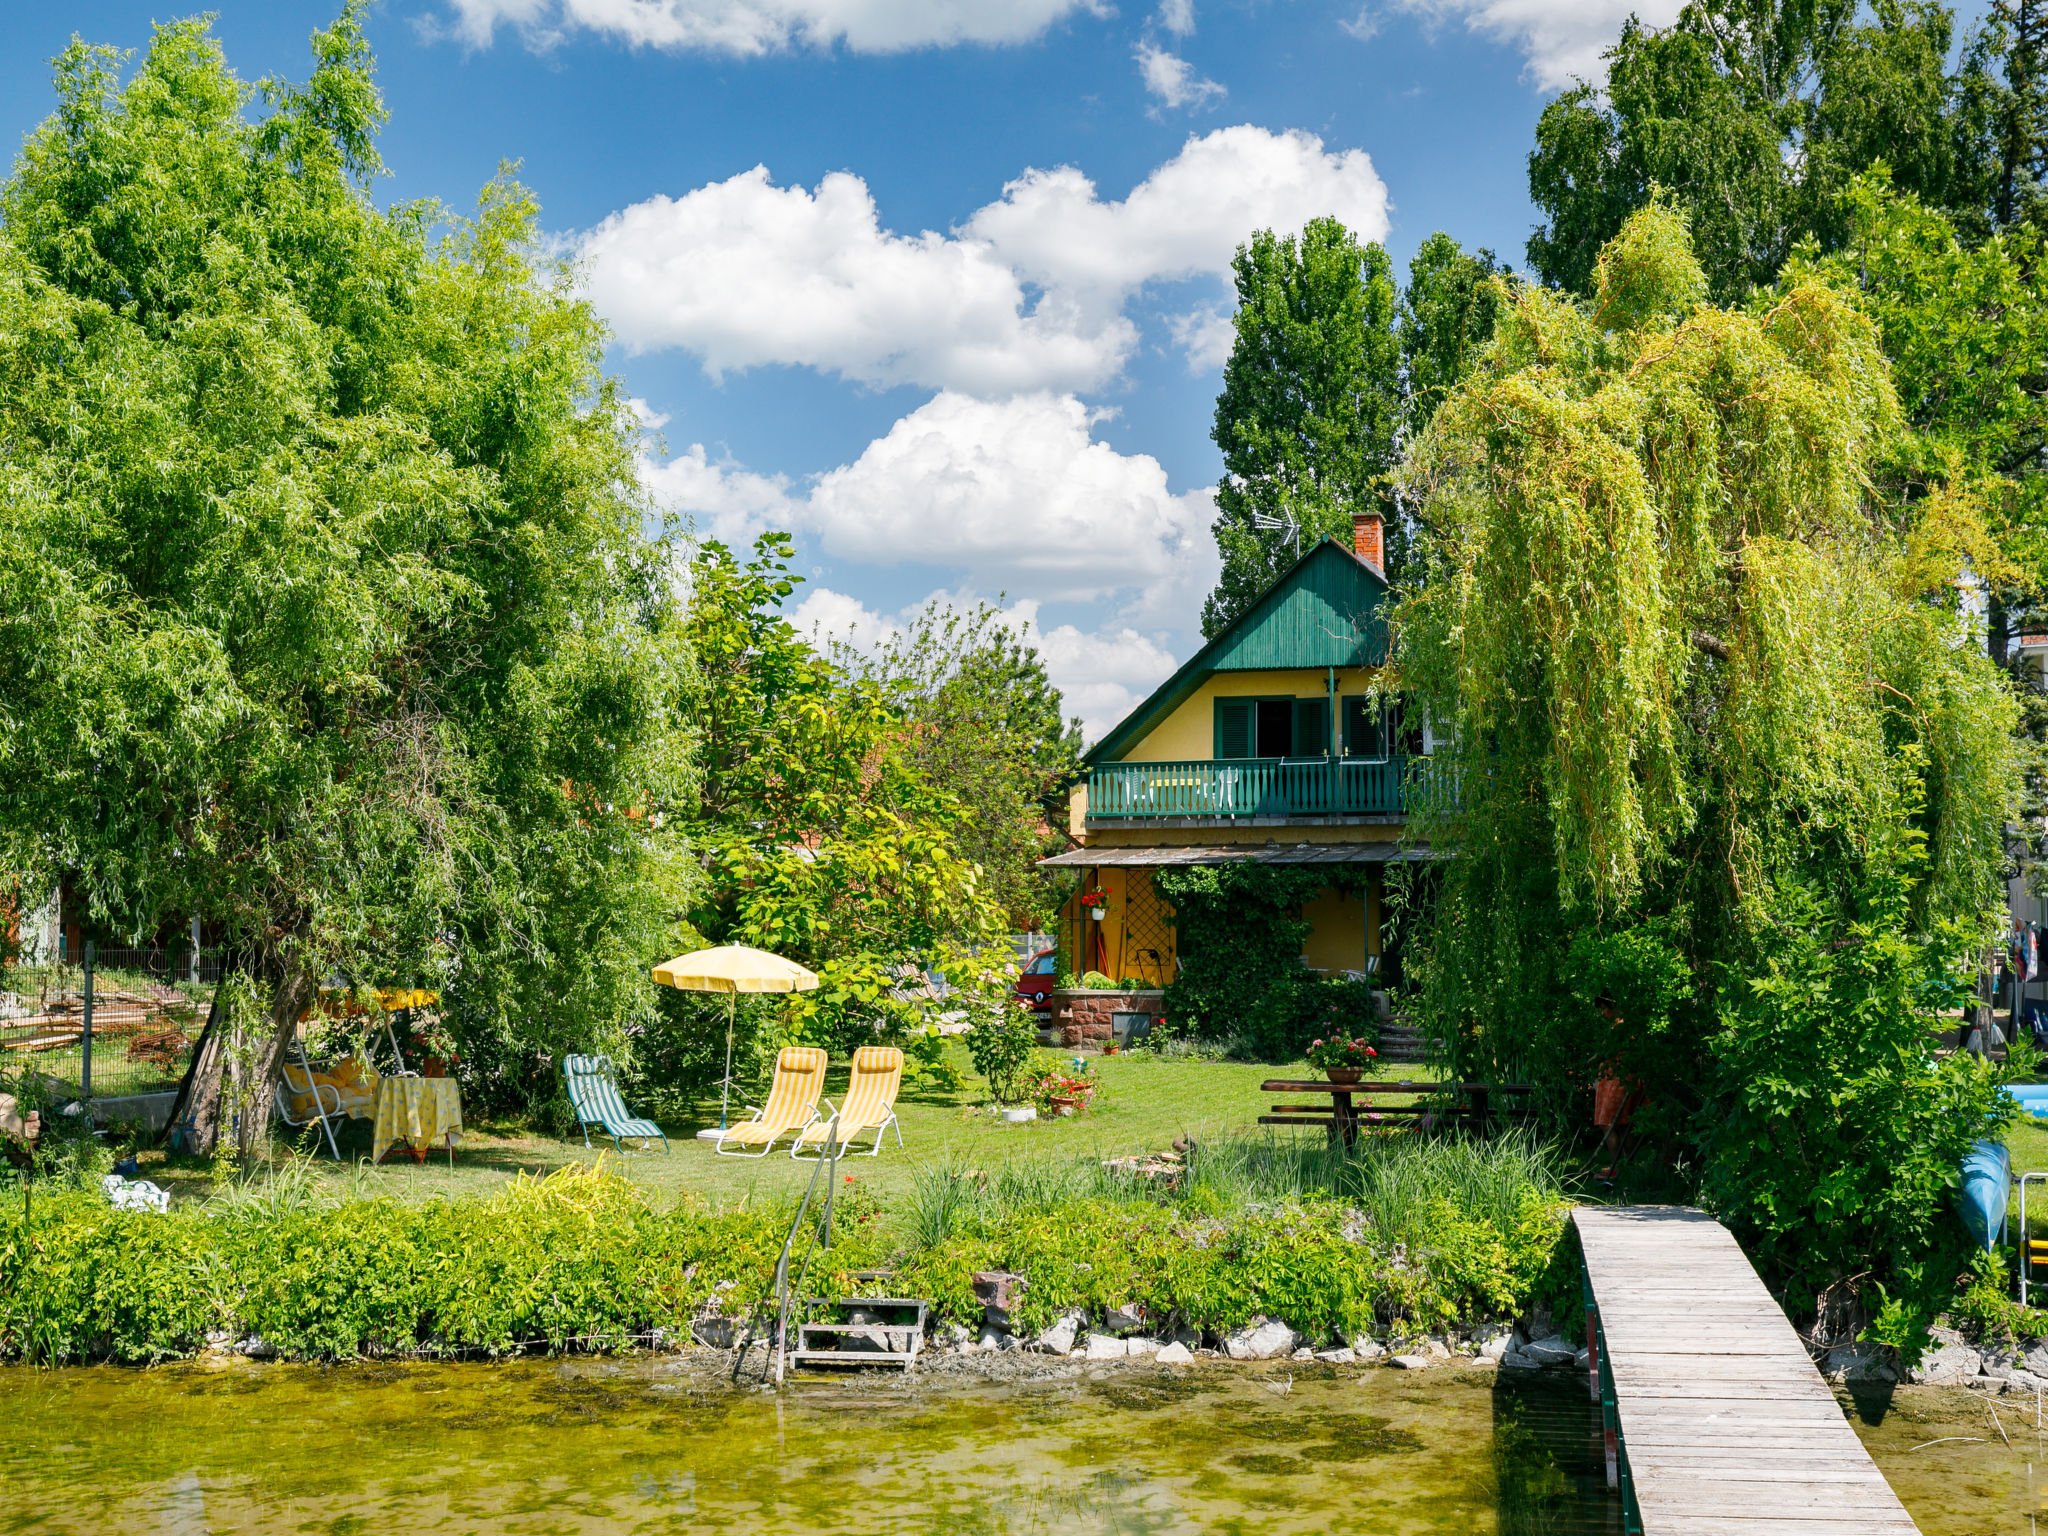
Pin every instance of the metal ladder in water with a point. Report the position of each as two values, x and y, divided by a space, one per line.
785 1294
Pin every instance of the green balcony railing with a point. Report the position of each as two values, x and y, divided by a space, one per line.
1258 786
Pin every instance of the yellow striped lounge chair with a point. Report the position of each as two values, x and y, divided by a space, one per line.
870 1102
792 1104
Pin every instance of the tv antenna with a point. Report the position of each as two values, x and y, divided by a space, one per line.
1285 523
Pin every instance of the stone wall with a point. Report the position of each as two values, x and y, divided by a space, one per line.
1084 1013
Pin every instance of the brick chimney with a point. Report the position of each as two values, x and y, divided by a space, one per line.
1368 541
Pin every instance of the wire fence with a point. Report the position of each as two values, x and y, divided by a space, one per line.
107 1023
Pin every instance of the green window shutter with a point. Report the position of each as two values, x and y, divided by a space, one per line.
1311 727
1233 728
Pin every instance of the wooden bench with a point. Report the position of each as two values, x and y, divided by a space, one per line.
1471 1104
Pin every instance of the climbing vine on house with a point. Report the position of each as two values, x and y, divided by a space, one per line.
1238 935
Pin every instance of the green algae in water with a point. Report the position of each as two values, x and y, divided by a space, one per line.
538 1448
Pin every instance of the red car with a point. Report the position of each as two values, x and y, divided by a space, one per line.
1034 987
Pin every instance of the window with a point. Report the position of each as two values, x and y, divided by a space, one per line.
1250 727
1382 727
1043 965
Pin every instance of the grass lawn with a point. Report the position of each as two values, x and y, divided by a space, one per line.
1143 1104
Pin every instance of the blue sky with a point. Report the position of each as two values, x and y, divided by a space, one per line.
938 284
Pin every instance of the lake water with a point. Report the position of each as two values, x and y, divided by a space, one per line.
647 1446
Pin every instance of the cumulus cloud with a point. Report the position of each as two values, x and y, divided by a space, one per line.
1015 495
1176 16
1205 335
1560 42
750 27
1172 79
1028 294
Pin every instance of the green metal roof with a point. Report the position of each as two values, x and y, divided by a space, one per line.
1325 610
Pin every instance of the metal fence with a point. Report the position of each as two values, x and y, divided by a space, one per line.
107 1023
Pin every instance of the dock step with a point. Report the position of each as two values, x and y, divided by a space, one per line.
868 1331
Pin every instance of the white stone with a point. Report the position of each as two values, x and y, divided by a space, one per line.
256 1347
1263 1338
1999 1361
2024 1384
1947 1365
1493 1348
1517 1360
1141 1348
2037 1358
1411 1362
1122 1320
1102 1347
1338 1356
1859 1362
1059 1338
1367 1348
1303 1353
1175 1353
1550 1351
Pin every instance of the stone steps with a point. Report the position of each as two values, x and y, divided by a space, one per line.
1402 1045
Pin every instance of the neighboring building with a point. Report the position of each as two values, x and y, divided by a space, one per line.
1264 747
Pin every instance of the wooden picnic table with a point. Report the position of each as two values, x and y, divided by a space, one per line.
1343 1117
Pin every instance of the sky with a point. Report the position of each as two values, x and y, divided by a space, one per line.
939 286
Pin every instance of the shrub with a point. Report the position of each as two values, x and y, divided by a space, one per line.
1001 1045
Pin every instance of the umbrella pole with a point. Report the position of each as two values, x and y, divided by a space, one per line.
732 1002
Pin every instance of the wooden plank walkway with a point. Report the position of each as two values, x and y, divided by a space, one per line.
1725 1427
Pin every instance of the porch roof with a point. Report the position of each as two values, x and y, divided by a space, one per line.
1382 852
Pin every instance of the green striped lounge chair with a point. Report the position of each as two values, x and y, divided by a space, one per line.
594 1096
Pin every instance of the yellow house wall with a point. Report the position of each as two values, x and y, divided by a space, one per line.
1189 733
1338 940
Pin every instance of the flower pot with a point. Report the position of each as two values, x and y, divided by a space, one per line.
1065 1106
1020 1114
1097 913
1344 1074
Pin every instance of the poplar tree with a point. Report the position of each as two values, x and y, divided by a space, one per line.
1310 407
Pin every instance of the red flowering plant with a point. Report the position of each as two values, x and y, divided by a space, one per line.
1095 900
1341 1054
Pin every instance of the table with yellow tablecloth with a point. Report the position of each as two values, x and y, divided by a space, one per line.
420 1112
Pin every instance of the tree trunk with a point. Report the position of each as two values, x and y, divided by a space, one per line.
228 1088
263 1057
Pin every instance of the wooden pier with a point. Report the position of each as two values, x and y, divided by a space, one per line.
1717 1422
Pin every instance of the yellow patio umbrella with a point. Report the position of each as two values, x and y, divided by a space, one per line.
733 969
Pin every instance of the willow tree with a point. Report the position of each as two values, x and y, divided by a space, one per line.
324 607
1731 774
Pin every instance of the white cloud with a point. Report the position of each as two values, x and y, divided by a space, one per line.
1205 335
1176 16
1173 80
724 500
1365 26
1028 294
1017 496
751 27
1561 42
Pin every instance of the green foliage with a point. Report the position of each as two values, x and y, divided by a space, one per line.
324 606
1002 1044
1756 118
982 720
1240 975
1397 1238
1670 612
1309 407
1836 1135
578 1260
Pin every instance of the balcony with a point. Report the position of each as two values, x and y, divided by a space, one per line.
1256 787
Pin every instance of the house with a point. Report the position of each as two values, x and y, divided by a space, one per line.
1266 746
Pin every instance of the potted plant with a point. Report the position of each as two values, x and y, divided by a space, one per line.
1095 902
1342 1061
